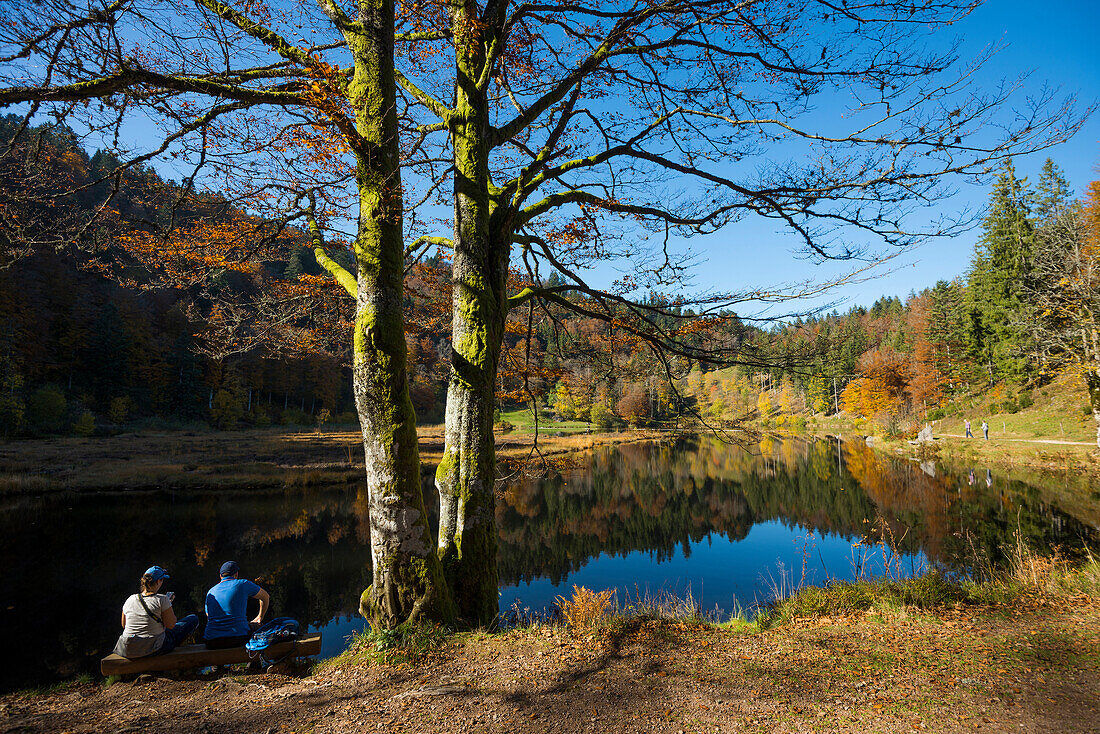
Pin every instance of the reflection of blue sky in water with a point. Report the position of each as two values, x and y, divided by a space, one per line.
336 634
719 572
622 522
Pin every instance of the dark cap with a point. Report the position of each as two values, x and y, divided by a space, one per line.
157 573
229 568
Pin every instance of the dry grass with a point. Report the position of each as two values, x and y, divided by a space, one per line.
272 458
586 608
23 483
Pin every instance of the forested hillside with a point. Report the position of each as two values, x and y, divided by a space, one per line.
92 338
88 339
96 335
1021 315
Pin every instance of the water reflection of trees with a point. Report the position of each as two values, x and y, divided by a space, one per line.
655 497
69 560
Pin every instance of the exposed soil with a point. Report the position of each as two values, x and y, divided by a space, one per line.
1028 668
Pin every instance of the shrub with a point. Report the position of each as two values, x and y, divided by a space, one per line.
586 608
85 424
503 426
348 417
634 405
294 417
12 407
602 418
227 410
936 414
1026 400
259 417
120 409
895 427
46 410
11 413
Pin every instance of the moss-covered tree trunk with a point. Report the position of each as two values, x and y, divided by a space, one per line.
1092 380
467 472
408 581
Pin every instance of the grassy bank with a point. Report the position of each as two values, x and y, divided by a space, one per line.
523 420
1018 652
1001 451
241 460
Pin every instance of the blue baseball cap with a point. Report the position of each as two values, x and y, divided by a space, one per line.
229 568
157 573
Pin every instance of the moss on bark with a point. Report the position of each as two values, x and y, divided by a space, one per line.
408 582
467 474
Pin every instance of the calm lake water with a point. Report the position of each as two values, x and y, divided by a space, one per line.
725 524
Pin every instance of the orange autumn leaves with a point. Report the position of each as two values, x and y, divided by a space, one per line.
889 381
884 375
189 255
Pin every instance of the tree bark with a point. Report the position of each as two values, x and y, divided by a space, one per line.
1092 380
408 581
467 472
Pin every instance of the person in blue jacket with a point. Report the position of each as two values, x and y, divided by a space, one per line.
227 622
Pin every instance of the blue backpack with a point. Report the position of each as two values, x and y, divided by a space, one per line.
280 629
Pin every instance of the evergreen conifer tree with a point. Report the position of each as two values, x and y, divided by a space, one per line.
1053 195
947 332
1002 262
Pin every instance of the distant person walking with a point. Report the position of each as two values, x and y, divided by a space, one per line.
985 430
968 433
227 622
149 624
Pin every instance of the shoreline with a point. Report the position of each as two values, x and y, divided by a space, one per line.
278 459
1021 653
256 459
1043 455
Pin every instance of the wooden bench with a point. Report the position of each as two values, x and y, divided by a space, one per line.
197 656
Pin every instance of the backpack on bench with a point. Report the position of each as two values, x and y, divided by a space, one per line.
280 629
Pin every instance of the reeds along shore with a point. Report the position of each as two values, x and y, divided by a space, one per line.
241 460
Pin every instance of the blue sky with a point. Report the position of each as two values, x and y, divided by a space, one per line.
1057 45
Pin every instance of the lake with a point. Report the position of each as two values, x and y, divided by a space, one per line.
726 524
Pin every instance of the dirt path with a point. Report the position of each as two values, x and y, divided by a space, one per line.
1020 440
1027 669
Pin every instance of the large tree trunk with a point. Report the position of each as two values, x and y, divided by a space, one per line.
1092 380
467 472
408 581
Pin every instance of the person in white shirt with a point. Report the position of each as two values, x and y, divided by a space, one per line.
149 624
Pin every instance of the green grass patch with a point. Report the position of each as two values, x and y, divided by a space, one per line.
929 592
59 687
524 420
1027 574
1051 413
407 644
